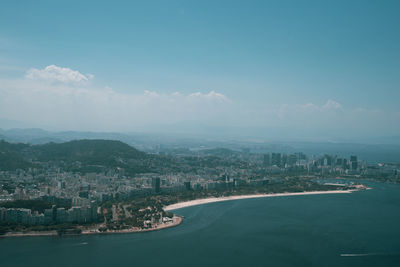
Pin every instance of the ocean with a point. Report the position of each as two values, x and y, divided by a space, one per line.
358 229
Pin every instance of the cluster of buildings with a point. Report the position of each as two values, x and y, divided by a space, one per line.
326 163
85 190
284 160
54 215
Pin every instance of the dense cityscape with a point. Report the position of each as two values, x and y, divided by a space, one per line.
200 133
47 195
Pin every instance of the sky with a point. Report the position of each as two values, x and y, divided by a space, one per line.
267 69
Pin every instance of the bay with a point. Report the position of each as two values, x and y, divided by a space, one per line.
358 229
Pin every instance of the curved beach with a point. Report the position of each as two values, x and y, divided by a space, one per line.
202 201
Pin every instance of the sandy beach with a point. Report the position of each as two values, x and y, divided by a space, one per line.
219 199
177 219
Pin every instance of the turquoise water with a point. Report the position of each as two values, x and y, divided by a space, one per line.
283 231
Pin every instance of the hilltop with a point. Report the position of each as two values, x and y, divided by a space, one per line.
79 156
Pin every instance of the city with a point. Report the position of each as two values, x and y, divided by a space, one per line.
110 197
200 133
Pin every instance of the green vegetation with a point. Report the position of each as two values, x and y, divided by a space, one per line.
12 156
134 211
83 156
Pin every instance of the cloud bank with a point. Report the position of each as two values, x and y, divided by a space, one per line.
62 99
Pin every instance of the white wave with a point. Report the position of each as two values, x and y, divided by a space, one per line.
357 255
369 254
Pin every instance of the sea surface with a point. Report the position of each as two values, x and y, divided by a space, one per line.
358 229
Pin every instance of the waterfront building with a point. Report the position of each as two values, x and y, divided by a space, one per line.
48 216
17 215
93 206
73 214
36 218
2 214
61 215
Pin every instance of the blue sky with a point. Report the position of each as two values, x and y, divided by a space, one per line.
261 56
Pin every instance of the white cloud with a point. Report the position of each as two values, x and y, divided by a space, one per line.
73 104
59 74
212 95
197 96
331 104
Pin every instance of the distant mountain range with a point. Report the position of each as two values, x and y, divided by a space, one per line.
385 149
40 136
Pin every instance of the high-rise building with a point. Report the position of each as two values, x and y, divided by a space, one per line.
48 216
2 214
292 160
276 159
283 160
61 215
301 156
328 160
187 185
80 202
93 207
353 162
267 160
345 164
155 183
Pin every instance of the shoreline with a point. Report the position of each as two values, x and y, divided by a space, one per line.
203 201
177 220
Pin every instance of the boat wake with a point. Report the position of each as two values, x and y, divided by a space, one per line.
368 254
357 255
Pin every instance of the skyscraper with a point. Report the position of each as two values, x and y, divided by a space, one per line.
353 162
276 159
267 160
155 183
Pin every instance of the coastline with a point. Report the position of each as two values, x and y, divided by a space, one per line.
176 220
203 201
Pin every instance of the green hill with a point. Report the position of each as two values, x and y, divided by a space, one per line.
12 156
79 156
88 151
